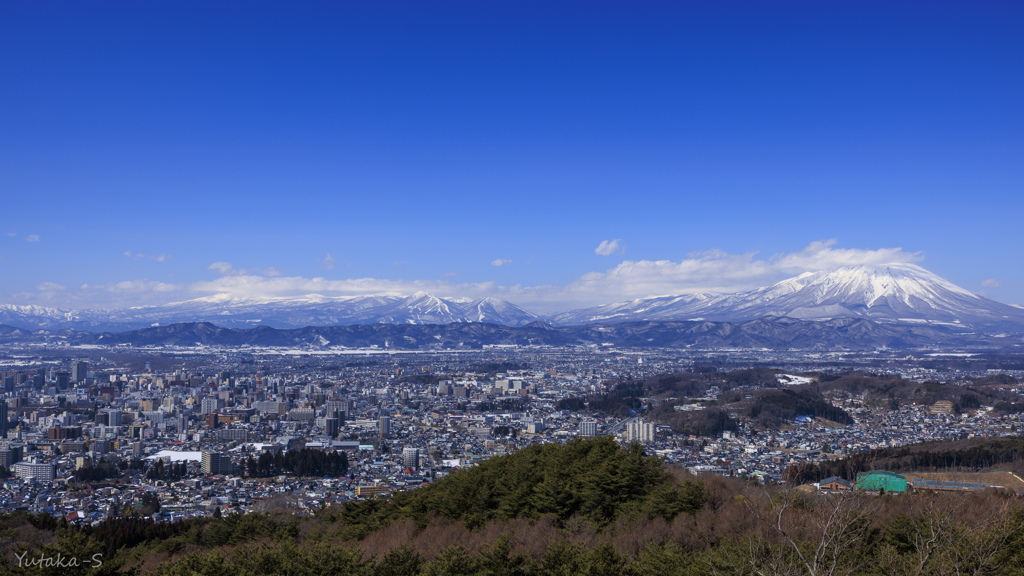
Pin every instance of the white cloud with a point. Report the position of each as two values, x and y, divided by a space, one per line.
451 274
398 262
609 247
991 283
328 262
157 258
500 262
707 271
821 256
33 238
226 269
12 234
50 287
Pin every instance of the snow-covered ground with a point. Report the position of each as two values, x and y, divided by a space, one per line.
790 380
177 456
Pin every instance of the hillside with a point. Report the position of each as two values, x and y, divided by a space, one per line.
588 508
453 528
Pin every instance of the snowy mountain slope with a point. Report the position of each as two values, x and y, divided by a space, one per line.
893 293
310 310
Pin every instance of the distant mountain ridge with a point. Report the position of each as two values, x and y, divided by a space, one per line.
312 310
893 293
854 334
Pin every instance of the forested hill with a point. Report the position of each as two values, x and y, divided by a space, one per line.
595 479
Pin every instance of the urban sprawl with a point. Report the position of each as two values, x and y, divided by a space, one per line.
176 433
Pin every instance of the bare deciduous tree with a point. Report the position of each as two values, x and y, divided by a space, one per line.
811 534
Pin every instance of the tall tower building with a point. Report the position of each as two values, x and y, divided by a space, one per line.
4 422
411 458
331 427
384 427
79 371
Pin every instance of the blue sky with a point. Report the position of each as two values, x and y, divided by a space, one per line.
159 151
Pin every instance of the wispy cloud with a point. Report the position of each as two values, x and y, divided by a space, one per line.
12 234
328 262
50 287
33 238
138 256
991 283
398 262
447 274
609 247
500 262
226 269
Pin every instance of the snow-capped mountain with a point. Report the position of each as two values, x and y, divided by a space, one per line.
903 293
311 310
893 292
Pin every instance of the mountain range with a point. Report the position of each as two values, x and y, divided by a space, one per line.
893 293
772 332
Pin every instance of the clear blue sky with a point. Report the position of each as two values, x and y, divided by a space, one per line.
420 144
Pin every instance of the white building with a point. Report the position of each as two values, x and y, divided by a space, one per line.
33 470
640 431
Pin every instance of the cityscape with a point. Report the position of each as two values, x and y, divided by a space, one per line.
530 288
87 438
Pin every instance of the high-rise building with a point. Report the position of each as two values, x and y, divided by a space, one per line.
411 458
114 418
63 380
10 456
384 427
640 431
215 463
5 423
333 407
79 371
211 405
331 427
588 428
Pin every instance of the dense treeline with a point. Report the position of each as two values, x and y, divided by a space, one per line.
710 422
780 406
921 457
741 530
596 480
102 469
1010 407
891 389
129 532
161 471
304 462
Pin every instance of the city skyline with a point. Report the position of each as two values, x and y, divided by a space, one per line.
554 155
